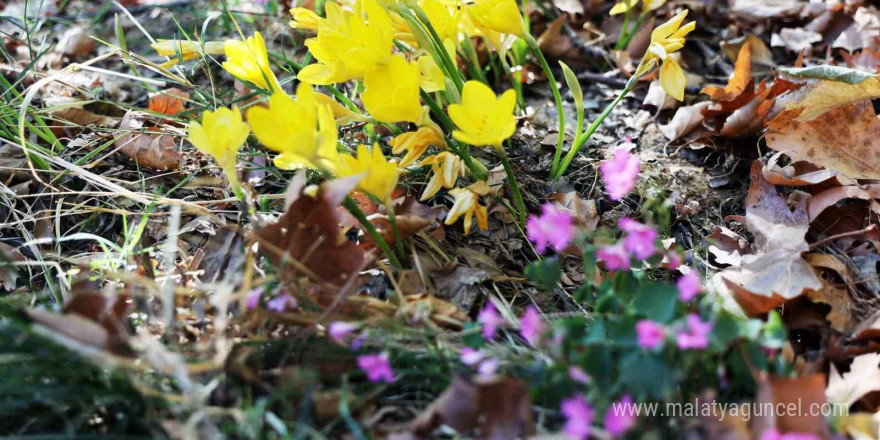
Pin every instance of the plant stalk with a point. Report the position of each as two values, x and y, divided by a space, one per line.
353 208
560 112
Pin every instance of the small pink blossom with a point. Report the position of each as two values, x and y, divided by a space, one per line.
578 375
471 356
339 330
773 434
253 298
376 367
281 303
696 336
619 173
640 239
650 334
488 368
615 257
491 320
578 417
621 416
689 286
553 227
531 325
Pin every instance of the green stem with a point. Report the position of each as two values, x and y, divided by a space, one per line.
560 113
514 81
635 30
621 42
353 208
582 139
511 179
392 219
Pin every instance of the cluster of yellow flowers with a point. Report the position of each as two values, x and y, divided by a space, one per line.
403 52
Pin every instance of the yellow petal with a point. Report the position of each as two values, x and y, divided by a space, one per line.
672 79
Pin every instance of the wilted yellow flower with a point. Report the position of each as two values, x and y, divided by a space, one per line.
446 168
666 39
349 47
188 50
302 130
415 143
392 91
220 134
433 79
305 19
498 15
482 118
467 204
380 176
248 61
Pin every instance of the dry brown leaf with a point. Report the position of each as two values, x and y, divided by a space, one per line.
168 102
657 97
830 197
418 308
759 52
74 120
796 39
739 79
801 392
863 377
818 96
75 42
796 174
584 212
776 269
837 297
760 10
686 120
8 272
309 233
727 246
152 150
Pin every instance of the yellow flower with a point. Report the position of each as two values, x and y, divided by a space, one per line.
248 61
483 119
305 19
446 168
302 130
188 50
666 39
433 79
622 6
343 114
444 21
380 176
220 134
467 204
498 15
415 143
651 5
348 45
392 91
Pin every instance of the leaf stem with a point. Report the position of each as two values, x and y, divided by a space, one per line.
560 113
514 186
355 211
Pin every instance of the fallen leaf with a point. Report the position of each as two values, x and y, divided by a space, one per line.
759 52
776 269
685 120
783 392
846 139
826 87
8 272
830 197
150 149
727 246
796 174
862 378
424 306
760 10
657 97
796 39
570 6
76 42
584 212
739 79
168 102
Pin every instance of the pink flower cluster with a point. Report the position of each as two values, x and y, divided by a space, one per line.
376 367
620 173
532 325
695 335
640 242
553 227
650 334
578 417
491 320
621 416
486 365
689 286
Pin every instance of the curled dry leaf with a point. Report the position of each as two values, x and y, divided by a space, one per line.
168 102
307 239
151 148
584 212
863 377
829 197
776 271
758 51
657 97
739 79
796 39
686 120
727 246
796 174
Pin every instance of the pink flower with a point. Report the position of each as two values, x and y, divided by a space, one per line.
640 239
621 416
281 303
689 286
490 319
578 417
339 330
253 298
578 375
772 434
376 367
696 336
488 368
471 356
650 334
553 227
615 257
619 173
531 325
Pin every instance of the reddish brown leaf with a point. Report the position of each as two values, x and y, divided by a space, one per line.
168 102
829 197
738 81
152 150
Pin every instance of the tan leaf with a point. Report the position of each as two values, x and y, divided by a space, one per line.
818 96
830 197
584 212
739 79
760 53
686 120
152 150
795 39
863 377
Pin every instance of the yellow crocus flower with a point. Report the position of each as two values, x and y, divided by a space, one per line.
380 175
350 47
302 130
622 6
666 39
446 168
444 21
305 19
482 118
497 15
248 61
651 5
343 114
415 143
188 50
392 91
433 79
221 134
467 204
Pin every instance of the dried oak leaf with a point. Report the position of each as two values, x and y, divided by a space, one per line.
796 174
584 212
831 196
150 149
845 138
168 102
685 120
308 240
758 51
825 87
863 377
739 79
776 272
